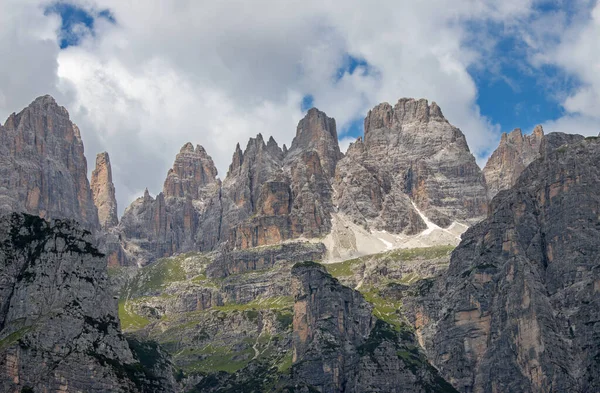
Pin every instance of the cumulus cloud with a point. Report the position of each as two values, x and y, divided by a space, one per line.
570 42
158 74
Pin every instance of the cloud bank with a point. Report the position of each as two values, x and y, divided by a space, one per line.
149 76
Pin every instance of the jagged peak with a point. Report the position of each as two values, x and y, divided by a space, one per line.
187 148
538 131
319 118
102 157
237 159
406 110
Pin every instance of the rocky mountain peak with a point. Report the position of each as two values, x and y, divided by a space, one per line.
274 148
385 177
192 170
237 160
514 153
519 304
188 147
103 192
406 111
43 166
317 132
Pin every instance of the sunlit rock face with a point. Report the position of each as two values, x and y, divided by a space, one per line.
514 153
43 170
410 153
519 305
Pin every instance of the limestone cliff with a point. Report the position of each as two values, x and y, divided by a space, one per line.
515 152
184 217
59 329
411 158
519 307
339 346
103 192
43 170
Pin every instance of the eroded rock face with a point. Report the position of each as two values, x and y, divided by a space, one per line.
339 346
103 192
515 152
520 302
317 132
410 153
185 216
59 329
192 170
270 196
43 170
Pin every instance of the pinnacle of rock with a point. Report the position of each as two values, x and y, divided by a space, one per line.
42 161
192 170
318 132
103 192
514 153
409 152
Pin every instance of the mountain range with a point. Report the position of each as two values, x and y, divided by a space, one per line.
399 266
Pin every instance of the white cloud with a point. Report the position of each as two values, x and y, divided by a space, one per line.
219 72
575 49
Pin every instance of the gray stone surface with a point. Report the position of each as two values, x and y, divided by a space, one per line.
518 309
410 153
42 167
59 329
339 346
103 192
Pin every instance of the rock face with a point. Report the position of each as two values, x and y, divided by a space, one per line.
185 216
42 167
267 197
339 346
59 329
411 160
515 152
103 192
271 196
520 302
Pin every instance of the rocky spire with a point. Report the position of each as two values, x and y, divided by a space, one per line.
192 170
318 132
514 153
103 192
406 111
237 160
43 166
410 157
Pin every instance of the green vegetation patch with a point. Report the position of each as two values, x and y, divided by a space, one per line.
344 269
410 254
14 337
286 363
129 319
387 310
155 277
270 303
215 359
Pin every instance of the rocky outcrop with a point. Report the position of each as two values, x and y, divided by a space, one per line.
515 152
192 170
519 306
411 160
103 192
185 216
271 195
43 170
339 346
317 132
59 329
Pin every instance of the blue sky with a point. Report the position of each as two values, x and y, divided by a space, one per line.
73 16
